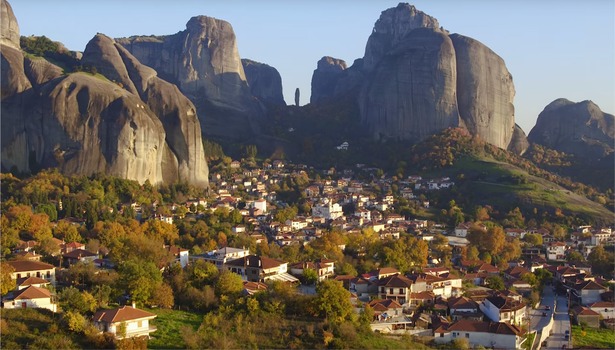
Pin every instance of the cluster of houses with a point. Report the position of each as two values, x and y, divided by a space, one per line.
432 301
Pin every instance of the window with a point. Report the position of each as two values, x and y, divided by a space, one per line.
467 335
441 335
48 274
401 291
454 335
390 290
140 324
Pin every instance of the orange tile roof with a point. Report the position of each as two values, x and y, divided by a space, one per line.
28 265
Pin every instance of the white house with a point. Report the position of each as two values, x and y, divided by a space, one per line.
31 297
588 292
221 256
27 268
324 268
260 269
556 251
124 322
503 309
606 309
327 210
499 335
181 255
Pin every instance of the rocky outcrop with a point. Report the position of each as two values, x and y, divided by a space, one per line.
416 79
391 28
325 78
9 28
411 93
519 143
265 82
129 123
581 129
203 61
485 91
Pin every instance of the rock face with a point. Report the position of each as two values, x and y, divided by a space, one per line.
9 29
130 123
485 91
411 93
415 79
203 61
324 79
265 82
579 128
519 143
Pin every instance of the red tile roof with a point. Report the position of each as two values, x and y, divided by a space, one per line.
28 265
32 292
124 313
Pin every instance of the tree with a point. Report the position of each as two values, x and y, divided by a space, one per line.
228 284
603 262
405 252
72 299
310 276
7 284
67 232
495 282
163 297
74 321
333 301
139 278
574 256
156 228
533 238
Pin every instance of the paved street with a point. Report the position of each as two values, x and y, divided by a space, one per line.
537 320
560 326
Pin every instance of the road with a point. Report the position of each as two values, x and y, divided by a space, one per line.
561 324
537 320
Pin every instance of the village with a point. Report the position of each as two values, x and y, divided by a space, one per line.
529 300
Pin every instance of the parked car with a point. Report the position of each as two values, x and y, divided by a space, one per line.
544 314
547 307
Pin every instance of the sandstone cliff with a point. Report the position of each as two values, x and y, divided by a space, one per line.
126 122
579 128
265 82
203 61
416 79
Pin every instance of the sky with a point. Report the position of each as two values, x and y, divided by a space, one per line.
552 48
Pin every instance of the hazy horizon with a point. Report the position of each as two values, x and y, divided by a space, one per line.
553 49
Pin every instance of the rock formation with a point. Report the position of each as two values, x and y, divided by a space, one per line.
265 82
325 77
411 93
579 128
129 123
416 79
203 61
519 143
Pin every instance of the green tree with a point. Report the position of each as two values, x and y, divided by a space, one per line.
163 297
228 284
495 282
603 262
534 239
405 253
72 299
74 321
310 276
139 278
333 301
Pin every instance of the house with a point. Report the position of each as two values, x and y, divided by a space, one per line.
381 273
499 335
556 251
462 230
586 315
324 268
588 292
389 317
27 268
221 256
32 297
395 287
182 256
606 309
30 281
79 255
251 288
260 269
69 247
328 210
499 308
124 322
463 308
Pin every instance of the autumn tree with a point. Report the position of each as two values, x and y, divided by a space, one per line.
140 279
7 284
156 228
72 299
405 253
228 284
602 261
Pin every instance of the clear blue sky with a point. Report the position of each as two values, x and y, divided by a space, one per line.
553 48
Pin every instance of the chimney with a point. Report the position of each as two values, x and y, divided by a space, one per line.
134 305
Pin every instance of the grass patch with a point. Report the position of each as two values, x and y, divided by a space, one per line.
593 338
169 324
529 341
